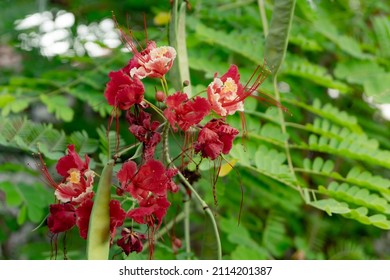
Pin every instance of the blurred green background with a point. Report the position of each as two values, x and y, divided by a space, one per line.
335 83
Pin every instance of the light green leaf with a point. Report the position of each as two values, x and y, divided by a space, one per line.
12 195
358 72
378 87
58 105
331 206
247 253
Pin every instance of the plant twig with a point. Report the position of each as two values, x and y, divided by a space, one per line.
187 239
263 17
199 199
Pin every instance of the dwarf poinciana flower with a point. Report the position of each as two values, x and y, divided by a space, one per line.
227 94
83 213
145 131
216 137
131 241
62 217
122 91
185 112
151 211
152 176
77 188
77 184
71 161
152 62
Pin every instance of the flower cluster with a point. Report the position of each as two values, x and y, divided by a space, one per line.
148 180
74 195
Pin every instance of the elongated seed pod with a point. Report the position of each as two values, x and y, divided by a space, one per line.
277 39
98 242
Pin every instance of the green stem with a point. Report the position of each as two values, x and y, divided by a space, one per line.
235 5
284 131
199 199
166 228
207 210
125 150
187 210
155 108
263 17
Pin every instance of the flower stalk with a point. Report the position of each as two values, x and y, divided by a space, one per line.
199 199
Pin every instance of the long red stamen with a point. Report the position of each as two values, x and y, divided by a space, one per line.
41 165
269 99
129 43
248 91
146 30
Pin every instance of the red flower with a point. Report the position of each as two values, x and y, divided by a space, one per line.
145 131
83 212
122 91
151 211
71 161
224 93
150 177
184 112
117 216
216 137
77 183
227 94
77 188
152 62
131 241
62 217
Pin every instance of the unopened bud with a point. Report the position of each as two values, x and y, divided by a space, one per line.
176 244
186 83
160 96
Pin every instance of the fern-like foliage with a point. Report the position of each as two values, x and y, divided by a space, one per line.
23 134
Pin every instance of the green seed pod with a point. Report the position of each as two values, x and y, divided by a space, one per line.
98 242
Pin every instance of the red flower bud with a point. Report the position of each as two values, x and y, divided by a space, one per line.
160 96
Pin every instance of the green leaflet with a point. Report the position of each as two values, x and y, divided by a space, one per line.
354 195
82 142
246 42
58 105
347 44
370 75
350 147
31 199
357 72
381 26
275 238
378 88
331 113
277 39
247 247
331 206
21 133
98 242
268 162
301 67
18 132
93 97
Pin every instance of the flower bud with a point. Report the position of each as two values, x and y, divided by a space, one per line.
160 96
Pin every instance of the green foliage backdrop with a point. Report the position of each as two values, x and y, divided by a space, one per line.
309 183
